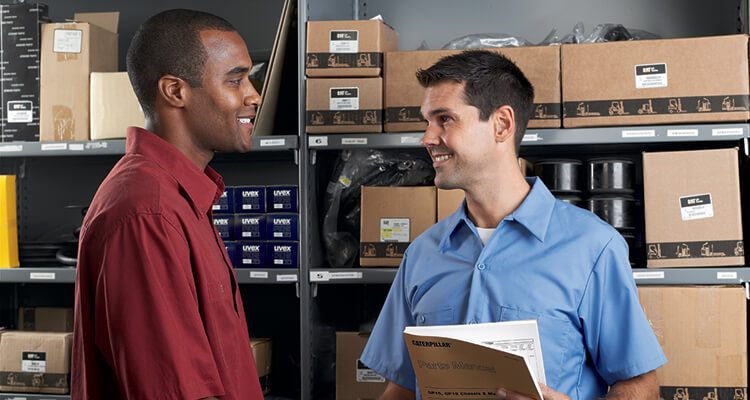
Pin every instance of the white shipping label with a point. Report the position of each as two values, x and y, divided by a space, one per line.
365 374
67 41
394 230
34 361
344 42
20 111
696 207
651 76
344 99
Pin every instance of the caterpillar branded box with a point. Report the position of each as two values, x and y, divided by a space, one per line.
19 98
250 199
347 48
251 254
344 105
702 79
282 227
250 227
45 319
283 254
35 362
8 222
261 348
225 226
703 332
282 198
404 94
692 207
225 205
354 380
71 51
391 218
114 106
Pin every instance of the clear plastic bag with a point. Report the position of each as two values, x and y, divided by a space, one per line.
485 40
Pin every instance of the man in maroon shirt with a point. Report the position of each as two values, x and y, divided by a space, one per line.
158 310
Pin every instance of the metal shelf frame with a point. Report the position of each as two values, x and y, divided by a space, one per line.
33 396
65 275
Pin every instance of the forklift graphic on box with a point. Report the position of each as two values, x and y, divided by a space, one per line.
683 251
707 250
368 250
654 251
728 104
403 116
583 111
540 112
365 60
739 249
704 105
340 119
317 119
740 394
712 395
681 394
313 61
617 107
675 106
369 118
333 61
647 108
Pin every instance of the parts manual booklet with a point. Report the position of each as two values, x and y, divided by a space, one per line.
473 361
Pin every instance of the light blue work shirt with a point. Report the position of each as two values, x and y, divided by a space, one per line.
549 261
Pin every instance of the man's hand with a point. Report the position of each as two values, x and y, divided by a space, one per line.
547 393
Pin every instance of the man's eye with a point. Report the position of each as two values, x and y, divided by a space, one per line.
235 81
445 118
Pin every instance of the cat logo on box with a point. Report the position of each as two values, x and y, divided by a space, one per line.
344 92
20 111
344 35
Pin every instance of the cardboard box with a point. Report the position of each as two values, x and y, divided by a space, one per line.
692 209
250 227
261 348
71 51
8 222
448 202
250 199
282 254
404 94
251 255
35 362
703 332
391 218
19 97
282 198
282 227
45 319
354 381
344 105
114 106
671 81
348 48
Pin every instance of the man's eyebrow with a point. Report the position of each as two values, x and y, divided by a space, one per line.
438 111
238 70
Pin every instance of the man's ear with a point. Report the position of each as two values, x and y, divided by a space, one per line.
504 123
173 90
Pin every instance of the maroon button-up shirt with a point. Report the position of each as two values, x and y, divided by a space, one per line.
158 311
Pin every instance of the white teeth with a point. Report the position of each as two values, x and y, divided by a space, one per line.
245 120
443 157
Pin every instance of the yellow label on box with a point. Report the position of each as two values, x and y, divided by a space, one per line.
8 227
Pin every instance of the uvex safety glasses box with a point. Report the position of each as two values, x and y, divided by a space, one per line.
35 362
404 95
282 198
702 326
703 79
71 51
391 218
250 227
282 227
692 209
231 247
225 205
20 43
344 105
251 254
347 48
283 254
225 226
250 199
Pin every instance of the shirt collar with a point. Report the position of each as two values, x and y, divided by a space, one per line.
533 214
202 188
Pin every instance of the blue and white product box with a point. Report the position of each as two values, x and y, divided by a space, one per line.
250 227
251 254
226 202
224 225
283 254
231 251
282 198
250 199
282 227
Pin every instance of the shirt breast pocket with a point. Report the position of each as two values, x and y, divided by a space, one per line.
554 335
439 317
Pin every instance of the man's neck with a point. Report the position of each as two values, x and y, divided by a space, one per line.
490 202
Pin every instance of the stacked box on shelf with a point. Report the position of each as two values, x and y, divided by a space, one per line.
259 225
344 65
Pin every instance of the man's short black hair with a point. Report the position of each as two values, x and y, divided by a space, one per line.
169 44
491 81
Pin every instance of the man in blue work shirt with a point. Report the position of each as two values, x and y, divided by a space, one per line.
512 251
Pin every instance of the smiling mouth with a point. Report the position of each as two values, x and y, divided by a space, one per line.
246 120
442 157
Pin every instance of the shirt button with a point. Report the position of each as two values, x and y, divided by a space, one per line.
421 319
481 267
472 322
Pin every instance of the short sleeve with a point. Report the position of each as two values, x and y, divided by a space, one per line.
148 323
386 351
617 333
